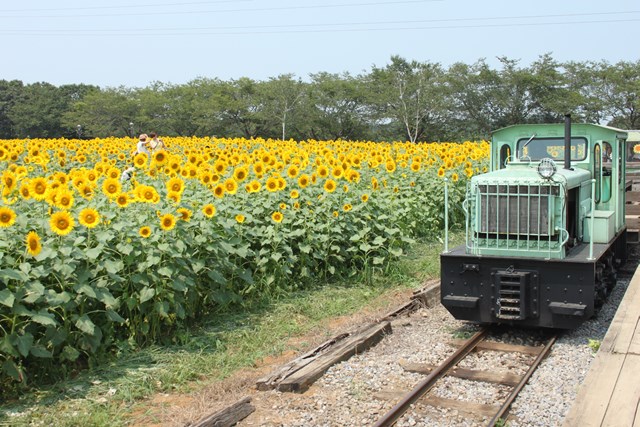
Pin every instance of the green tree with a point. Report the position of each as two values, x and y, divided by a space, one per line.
40 107
10 94
410 94
338 107
471 100
111 111
280 97
619 87
242 114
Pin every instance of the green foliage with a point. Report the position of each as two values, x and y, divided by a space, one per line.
97 291
594 345
401 100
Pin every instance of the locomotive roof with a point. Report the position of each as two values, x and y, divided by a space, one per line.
557 129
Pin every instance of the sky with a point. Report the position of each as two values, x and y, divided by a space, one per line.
135 43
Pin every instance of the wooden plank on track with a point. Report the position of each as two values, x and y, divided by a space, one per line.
300 380
626 395
632 209
480 409
504 378
272 380
229 416
462 406
498 346
591 403
429 294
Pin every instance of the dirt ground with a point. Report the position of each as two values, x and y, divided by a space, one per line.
167 409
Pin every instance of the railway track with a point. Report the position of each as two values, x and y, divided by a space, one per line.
478 342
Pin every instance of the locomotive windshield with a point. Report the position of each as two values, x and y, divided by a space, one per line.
539 148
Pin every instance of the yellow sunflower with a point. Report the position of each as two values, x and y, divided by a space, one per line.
111 187
25 191
140 160
240 218
145 231
218 191
303 181
168 222
89 217
209 210
277 217
240 173
230 186
185 214
39 188
33 243
293 171
159 157
255 186
272 184
175 184
64 200
322 171
122 200
61 223
174 196
330 186
7 217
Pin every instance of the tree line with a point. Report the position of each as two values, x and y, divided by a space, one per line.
404 100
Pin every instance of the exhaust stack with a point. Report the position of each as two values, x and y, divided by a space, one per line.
567 141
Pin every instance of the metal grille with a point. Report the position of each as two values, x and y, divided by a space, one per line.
511 298
516 210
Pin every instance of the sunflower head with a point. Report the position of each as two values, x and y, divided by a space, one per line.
7 217
209 210
61 223
33 243
168 222
145 231
184 214
122 200
330 186
277 217
89 217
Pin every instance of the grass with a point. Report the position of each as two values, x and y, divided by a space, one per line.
221 345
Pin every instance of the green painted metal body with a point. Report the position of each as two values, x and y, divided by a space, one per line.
514 212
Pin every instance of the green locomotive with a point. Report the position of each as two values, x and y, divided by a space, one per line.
545 228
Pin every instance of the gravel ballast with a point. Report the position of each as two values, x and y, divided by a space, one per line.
361 390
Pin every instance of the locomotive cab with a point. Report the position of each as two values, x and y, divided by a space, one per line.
545 228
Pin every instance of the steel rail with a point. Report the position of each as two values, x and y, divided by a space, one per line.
514 393
425 385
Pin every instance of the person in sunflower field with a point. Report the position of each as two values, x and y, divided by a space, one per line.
156 143
141 147
127 174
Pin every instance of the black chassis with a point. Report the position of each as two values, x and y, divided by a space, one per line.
531 292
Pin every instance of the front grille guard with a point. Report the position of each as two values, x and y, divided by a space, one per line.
497 222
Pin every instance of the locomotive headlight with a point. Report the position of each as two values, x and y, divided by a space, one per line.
547 168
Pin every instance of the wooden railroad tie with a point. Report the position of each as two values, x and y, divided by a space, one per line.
229 416
298 375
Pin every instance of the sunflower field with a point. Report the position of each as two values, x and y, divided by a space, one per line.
91 261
